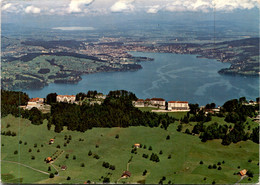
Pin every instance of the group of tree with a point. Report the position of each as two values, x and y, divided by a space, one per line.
107 165
90 94
227 134
154 157
196 115
235 111
10 102
116 111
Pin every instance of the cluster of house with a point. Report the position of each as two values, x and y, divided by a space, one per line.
162 104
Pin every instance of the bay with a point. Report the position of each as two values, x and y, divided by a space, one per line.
169 76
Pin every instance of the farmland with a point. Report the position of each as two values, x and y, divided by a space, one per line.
114 145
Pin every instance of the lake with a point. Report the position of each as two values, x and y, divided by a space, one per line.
169 76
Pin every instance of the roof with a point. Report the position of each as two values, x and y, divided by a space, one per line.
147 99
35 99
140 100
69 96
51 139
178 102
49 158
137 144
63 167
128 173
158 99
243 172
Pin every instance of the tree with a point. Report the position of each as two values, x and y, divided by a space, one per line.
201 162
168 137
144 172
219 168
33 157
82 165
49 168
187 131
230 105
250 173
169 156
68 178
51 175
106 180
112 167
194 108
15 152
214 166
255 135
74 157
89 153
150 148
51 98
117 136
179 128
49 126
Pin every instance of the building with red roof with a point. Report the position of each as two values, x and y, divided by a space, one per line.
66 98
178 105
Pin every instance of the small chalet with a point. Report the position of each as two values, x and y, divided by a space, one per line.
49 159
137 145
243 172
51 141
63 167
126 174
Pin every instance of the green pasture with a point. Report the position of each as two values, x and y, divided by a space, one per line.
182 168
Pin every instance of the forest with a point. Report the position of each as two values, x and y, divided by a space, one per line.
116 111
235 111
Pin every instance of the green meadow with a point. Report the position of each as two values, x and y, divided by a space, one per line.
32 146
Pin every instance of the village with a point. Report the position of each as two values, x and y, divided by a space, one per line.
156 104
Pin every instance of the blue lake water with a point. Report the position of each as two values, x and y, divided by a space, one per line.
169 76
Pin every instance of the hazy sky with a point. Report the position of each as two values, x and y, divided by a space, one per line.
89 12
85 7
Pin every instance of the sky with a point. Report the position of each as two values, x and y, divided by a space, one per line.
55 11
86 7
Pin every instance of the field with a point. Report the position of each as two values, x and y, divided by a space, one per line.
182 168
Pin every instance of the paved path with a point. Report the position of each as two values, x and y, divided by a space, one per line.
26 166
244 176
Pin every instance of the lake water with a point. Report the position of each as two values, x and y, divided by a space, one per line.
169 76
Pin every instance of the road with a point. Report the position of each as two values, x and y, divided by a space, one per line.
46 173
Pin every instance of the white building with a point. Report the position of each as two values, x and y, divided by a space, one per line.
178 105
158 101
35 102
66 98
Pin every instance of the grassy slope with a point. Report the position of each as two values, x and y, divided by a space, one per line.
186 151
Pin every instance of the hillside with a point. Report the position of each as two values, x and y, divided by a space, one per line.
114 145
